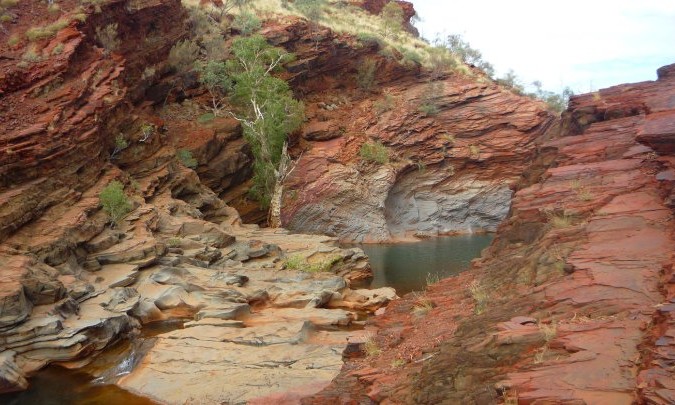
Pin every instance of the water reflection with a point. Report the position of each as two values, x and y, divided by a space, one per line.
407 266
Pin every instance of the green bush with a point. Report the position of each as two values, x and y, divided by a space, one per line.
247 23
299 262
58 49
428 109
365 75
385 104
183 55
185 157
48 31
374 152
107 38
114 202
206 118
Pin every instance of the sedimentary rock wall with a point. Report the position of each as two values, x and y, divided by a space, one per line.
573 302
72 284
450 171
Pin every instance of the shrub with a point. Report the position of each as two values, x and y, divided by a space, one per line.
428 109
53 8
114 202
312 9
31 55
371 347
423 305
147 130
374 152
369 39
365 75
392 19
48 31
58 49
479 295
246 23
440 61
13 40
107 38
206 118
384 104
560 220
299 262
474 151
183 55
185 157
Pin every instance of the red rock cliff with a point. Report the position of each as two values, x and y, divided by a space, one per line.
449 171
574 302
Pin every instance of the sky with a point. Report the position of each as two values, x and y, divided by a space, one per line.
584 44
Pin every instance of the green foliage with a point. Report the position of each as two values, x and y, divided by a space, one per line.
465 53
8 3
13 40
440 61
365 74
385 104
374 152
183 55
48 31
120 144
392 19
185 158
556 102
510 80
246 23
429 105
58 49
206 118
370 346
107 38
428 109
480 296
31 55
266 107
114 202
369 39
299 262
312 9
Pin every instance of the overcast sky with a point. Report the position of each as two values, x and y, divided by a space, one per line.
584 44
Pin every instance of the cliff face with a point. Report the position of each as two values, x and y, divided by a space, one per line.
72 284
573 302
451 170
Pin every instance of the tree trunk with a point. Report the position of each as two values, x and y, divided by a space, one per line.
285 168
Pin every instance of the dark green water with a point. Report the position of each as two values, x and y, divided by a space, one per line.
94 384
407 266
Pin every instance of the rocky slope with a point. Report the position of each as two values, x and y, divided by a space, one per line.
574 301
448 172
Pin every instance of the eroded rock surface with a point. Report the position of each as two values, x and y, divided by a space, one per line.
573 302
448 172
72 284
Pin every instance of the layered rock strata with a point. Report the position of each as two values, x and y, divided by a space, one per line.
449 170
573 302
73 284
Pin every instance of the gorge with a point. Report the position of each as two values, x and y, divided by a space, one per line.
573 301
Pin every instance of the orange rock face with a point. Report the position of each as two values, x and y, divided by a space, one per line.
449 170
575 300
